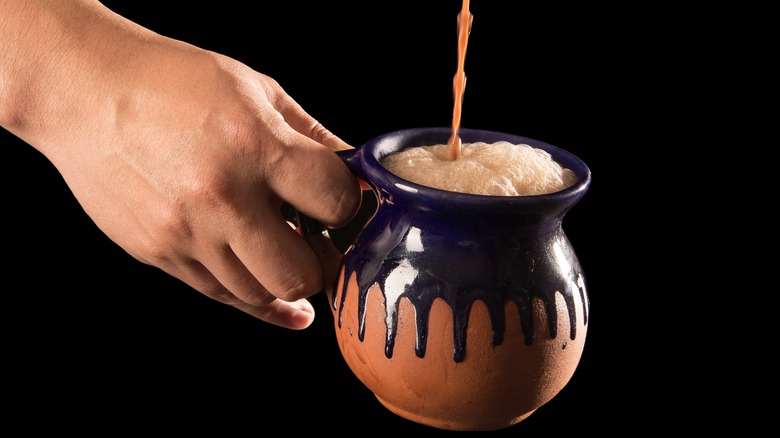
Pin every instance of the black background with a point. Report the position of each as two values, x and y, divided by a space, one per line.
97 335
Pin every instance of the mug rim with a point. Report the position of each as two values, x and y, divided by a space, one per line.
382 145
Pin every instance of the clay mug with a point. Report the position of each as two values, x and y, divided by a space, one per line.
458 311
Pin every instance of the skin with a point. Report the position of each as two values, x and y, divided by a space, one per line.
180 155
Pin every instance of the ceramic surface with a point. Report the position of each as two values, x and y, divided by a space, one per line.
459 311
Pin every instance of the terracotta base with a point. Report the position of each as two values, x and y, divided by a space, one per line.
450 423
493 387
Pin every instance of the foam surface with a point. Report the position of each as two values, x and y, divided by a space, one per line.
496 169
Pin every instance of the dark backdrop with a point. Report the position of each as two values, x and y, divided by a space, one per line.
96 335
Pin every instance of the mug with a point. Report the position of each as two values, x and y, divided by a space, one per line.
458 311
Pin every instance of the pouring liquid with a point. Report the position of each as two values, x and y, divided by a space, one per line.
465 19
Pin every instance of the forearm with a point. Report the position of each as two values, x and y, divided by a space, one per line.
57 63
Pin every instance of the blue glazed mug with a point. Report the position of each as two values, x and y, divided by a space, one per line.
458 311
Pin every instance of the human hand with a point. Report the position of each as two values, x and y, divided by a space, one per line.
184 157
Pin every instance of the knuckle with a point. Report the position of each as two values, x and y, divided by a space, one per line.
297 286
345 204
164 244
257 300
319 133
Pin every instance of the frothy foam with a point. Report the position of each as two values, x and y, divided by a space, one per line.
495 169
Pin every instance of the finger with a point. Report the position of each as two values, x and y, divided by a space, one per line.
329 256
295 315
271 251
315 181
303 123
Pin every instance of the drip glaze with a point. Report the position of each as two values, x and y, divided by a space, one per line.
468 265
432 267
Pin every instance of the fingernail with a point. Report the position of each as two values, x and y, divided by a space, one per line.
304 316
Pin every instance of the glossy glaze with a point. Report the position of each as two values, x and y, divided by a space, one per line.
498 273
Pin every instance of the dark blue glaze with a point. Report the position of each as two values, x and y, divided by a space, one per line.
425 243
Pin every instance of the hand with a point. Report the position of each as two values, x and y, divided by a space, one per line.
183 157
